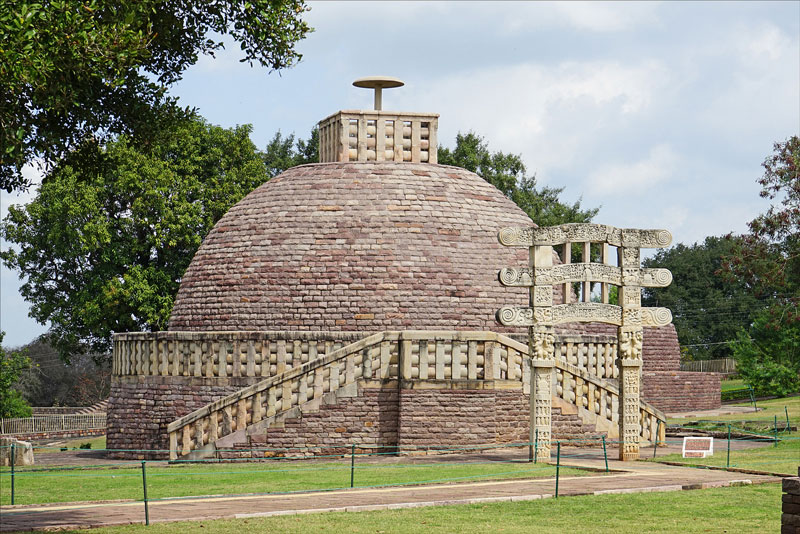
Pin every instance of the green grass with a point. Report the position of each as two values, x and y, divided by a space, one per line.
740 509
42 485
98 443
784 458
727 385
767 411
781 459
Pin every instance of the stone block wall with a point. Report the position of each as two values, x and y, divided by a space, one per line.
141 407
790 508
680 391
386 419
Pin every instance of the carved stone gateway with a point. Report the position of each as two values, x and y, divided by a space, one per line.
590 281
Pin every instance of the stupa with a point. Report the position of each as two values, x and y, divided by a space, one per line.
353 301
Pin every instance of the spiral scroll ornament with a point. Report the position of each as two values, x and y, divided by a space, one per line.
507 316
663 277
656 316
663 238
508 276
511 236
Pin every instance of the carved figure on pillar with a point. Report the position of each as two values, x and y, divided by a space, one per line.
541 347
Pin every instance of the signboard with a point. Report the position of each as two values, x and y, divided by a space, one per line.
698 447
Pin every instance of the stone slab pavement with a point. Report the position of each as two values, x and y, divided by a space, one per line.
625 477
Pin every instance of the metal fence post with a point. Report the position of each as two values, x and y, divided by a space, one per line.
655 442
776 430
536 445
728 461
352 463
753 397
786 411
13 454
144 487
558 463
605 454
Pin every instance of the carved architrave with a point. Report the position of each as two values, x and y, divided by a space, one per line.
579 232
584 272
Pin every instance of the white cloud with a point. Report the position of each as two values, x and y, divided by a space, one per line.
606 17
634 177
549 113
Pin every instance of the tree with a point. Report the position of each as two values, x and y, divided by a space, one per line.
767 356
12 365
285 152
105 252
708 311
507 173
767 261
80 70
50 381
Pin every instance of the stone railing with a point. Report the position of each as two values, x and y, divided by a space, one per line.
199 354
52 423
593 354
266 354
409 355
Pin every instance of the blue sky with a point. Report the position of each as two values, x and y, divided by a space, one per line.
660 113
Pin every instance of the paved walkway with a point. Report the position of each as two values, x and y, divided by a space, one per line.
625 477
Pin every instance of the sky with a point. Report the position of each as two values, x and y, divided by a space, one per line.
660 113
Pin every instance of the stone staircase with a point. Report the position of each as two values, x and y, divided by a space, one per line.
395 365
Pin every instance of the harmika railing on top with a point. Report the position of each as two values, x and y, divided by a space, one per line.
52 423
389 355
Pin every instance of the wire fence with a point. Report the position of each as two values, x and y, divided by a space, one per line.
748 445
293 469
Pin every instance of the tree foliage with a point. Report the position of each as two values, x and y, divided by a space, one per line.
767 261
285 152
507 173
707 310
768 357
75 70
105 252
12 365
50 381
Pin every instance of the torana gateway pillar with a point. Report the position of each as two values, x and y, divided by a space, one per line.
627 313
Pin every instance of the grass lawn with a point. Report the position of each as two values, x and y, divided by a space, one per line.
736 383
781 459
44 485
97 443
767 411
739 509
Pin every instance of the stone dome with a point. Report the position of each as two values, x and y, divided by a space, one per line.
356 247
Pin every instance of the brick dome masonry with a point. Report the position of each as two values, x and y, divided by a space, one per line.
356 247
